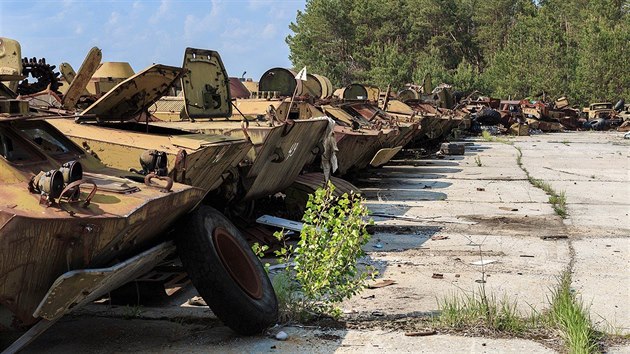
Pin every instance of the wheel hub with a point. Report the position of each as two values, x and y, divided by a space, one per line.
238 264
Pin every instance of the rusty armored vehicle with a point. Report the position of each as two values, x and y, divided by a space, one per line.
433 109
283 143
364 135
73 229
599 110
111 128
111 101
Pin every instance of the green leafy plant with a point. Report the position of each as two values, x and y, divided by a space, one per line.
259 250
131 312
325 268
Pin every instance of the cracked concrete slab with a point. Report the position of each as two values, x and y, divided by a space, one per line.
593 169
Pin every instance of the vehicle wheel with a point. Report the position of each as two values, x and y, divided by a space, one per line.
225 271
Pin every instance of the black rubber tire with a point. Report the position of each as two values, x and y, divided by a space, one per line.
619 105
598 124
197 247
488 116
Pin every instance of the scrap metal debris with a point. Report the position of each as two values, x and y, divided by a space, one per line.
439 237
421 333
483 262
381 284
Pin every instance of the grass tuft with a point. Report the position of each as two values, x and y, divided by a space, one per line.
566 315
558 200
478 309
572 318
491 138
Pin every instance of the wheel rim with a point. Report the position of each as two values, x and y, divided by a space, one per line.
238 263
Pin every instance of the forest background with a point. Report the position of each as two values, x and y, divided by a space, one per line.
506 49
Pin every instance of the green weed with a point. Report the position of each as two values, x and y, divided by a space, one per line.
558 200
572 318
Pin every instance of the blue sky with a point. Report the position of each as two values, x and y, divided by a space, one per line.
249 34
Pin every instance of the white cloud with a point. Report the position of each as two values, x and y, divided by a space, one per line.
194 25
162 11
78 29
269 31
113 18
67 3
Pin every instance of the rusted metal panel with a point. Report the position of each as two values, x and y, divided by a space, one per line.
39 242
384 155
338 114
355 147
280 152
368 112
79 83
135 94
312 87
305 184
205 84
82 286
282 156
282 81
327 89
237 89
396 106
38 248
407 131
316 180
208 156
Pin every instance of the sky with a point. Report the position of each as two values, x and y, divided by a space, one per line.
248 34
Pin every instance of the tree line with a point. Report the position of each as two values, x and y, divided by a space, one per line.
518 49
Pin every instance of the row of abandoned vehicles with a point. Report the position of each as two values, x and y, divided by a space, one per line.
106 173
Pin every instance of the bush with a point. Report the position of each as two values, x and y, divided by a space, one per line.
325 270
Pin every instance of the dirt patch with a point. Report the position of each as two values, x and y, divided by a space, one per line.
536 225
547 337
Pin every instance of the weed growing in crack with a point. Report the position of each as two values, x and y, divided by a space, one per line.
571 317
478 161
491 138
557 200
566 315
479 309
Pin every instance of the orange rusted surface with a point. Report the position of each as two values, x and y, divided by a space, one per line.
208 157
39 242
279 154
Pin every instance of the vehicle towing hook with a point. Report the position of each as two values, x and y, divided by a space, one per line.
169 182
